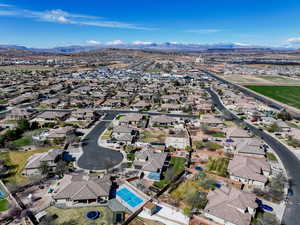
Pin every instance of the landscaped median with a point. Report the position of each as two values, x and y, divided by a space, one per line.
107 134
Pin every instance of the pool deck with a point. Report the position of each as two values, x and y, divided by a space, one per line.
137 193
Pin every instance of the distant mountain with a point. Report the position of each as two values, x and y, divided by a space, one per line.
3 46
167 46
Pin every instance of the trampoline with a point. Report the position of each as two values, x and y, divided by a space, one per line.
92 215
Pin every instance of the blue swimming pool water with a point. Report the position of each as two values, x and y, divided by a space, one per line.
130 198
2 195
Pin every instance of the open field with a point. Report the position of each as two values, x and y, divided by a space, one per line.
24 68
261 80
289 95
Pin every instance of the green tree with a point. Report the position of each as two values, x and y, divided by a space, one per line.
267 219
196 200
198 144
24 125
284 115
273 128
61 168
45 169
188 148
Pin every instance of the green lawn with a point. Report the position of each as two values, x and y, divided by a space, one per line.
217 166
107 134
2 101
4 205
177 164
78 214
271 156
17 161
24 141
289 95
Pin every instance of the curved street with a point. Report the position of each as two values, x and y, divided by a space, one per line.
96 157
289 160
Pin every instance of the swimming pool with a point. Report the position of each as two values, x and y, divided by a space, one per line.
129 197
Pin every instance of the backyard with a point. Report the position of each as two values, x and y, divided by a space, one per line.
16 160
289 95
78 215
4 205
189 195
177 166
153 135
217 166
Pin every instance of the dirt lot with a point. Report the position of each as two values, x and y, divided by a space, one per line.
260 80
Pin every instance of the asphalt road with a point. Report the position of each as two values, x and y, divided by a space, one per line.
96 157
289 160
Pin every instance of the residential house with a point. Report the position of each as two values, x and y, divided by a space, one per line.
20 114
53 115
162 121
150 162
51 102
132 119
141 105
237 132
248 170
283 126
60 133
83 190
34 162
230 206
294 134
171 107
125 134
211 120
246 146
84 114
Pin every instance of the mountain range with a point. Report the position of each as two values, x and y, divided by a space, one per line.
167 46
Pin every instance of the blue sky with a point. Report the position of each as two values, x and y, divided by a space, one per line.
37 23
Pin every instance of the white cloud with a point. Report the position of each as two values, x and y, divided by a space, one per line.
5 5
294 40
203 31
115 42
60 16
93 42
141 42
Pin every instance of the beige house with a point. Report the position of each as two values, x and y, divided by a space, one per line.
210 120
237 132
19 114
247 170
82 189
162 121
230 206
35 161
131 119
